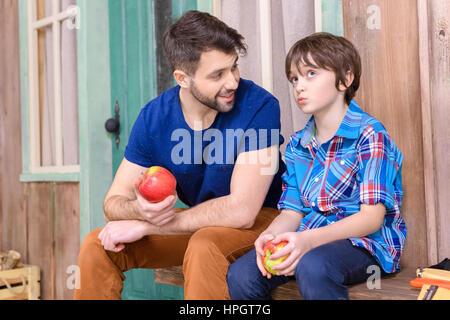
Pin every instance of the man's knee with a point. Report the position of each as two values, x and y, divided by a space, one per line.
90 242
203 242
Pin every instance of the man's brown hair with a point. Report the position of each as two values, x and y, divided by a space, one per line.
328 52
196 32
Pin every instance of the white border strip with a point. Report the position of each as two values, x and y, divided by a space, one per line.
265 23
217 8
318 15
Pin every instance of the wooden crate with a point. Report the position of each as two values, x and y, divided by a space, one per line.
15 277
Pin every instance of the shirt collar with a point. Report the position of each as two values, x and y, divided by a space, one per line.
349 127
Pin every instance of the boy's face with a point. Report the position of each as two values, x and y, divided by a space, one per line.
315 88
216 80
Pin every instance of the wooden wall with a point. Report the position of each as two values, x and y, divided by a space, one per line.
40 220
437 90
396 82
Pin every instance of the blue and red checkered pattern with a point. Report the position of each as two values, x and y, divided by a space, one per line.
328 182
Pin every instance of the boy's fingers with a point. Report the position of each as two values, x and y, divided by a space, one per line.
280 253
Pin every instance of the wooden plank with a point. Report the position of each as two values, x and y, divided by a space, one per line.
170 275
386 35
94 79
41 251
392 287
427 133
67 235
13 232
2 102
439 42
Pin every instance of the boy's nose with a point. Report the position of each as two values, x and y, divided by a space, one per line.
299 86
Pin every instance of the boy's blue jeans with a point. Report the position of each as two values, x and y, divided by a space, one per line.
322 273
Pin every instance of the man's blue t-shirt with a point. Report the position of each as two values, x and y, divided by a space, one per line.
202 161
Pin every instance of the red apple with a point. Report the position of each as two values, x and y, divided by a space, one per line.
157 184
269 249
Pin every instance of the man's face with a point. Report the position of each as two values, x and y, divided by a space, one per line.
216 80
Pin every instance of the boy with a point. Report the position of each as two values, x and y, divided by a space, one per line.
342 193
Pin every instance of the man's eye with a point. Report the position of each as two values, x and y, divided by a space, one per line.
234 67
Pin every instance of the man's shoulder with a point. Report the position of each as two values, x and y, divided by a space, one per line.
250 91
162 101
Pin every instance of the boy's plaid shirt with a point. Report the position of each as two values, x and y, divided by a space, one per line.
360 164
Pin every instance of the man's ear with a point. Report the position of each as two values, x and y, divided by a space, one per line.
349 76
181 78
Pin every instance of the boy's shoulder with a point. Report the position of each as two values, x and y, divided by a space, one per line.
371 125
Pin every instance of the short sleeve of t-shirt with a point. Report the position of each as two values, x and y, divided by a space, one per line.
264 129
136 150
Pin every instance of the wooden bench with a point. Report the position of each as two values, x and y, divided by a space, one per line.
393 287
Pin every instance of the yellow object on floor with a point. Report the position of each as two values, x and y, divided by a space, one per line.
432 292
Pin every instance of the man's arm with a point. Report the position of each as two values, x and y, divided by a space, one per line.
251 179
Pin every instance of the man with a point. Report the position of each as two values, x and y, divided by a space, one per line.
219 136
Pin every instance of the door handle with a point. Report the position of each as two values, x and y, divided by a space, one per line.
112 125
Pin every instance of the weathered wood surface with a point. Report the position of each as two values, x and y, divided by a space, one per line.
13 218
39 220
392 287
390 91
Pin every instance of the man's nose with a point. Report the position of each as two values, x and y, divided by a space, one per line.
232 81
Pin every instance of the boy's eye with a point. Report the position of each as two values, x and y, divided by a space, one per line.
311 74
293 80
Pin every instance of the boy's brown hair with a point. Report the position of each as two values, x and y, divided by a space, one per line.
328 52
196 32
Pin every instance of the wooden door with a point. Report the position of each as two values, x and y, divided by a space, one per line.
139 72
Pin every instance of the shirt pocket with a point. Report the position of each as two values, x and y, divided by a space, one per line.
341 177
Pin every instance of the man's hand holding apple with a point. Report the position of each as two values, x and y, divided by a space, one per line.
158 213
156 195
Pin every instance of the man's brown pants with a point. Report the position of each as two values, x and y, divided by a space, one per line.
205 256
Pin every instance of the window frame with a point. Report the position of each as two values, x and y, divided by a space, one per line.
32 170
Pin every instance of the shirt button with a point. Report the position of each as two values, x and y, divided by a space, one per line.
313 204
316 179
342 162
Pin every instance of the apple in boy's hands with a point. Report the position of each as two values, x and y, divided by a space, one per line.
157 184
269 249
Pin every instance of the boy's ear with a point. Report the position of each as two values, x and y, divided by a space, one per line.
349 76
181 78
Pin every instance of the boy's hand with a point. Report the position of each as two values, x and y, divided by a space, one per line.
260 254
299 244
156 213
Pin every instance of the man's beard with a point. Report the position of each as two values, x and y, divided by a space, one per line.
212 103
